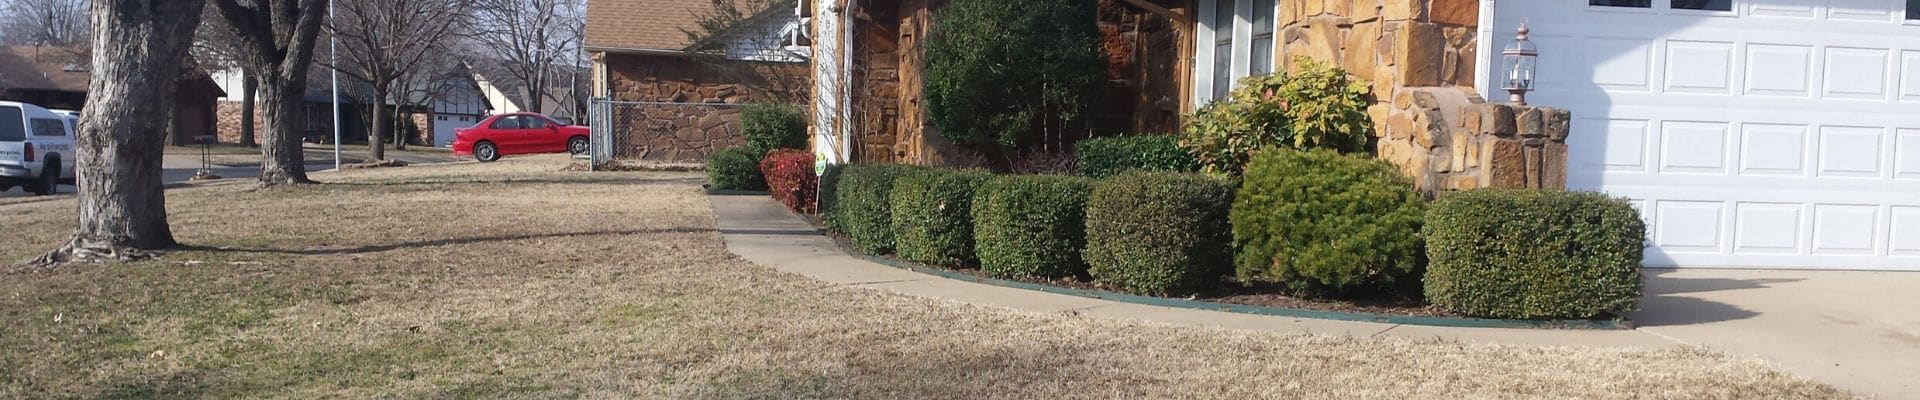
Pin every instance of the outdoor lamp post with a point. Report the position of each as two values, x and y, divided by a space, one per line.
1521 59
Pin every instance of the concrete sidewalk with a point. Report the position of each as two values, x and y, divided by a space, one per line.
1851 330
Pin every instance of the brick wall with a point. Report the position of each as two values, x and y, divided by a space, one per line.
229 119
690 132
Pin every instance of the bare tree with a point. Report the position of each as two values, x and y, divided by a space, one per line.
742 41
216 47
277 38
57 23
122 203
530 36
382 42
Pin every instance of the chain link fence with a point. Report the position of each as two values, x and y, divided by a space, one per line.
655 132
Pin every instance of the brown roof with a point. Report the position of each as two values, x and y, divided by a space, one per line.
642 24
40 68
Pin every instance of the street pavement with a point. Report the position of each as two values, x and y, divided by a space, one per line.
178 168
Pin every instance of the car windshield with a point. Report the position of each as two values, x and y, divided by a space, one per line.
12 128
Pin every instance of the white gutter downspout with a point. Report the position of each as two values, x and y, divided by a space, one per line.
1483 67
846 87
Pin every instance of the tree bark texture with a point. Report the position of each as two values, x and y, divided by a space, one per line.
276 40
248 101
376 143
138 47
283 161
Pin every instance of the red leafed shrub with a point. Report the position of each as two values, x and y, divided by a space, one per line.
790 177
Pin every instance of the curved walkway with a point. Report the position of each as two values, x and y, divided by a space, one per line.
1813 323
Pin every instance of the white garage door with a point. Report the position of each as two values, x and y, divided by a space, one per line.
1751 133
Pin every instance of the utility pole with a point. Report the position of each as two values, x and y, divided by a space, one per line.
333 58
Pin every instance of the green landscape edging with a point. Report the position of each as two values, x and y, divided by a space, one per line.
1452 322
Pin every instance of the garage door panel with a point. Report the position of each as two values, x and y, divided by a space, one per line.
1907 155
1856 73
1782 10
1689 147
1910 76
1621 64
1850 152
1688 226
1625 142
1699 67
1845 229
1779 70
1768 228
1860 10
1906 231
1773 149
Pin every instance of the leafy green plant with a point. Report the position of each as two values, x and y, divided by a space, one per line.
1031 225
1109 156
1517 253
735 168
861 208
995 69
933 215
1159 232
1317 106
773 126
1323 223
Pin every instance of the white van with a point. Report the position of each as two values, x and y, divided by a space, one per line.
36 148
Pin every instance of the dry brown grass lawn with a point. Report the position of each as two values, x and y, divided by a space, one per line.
515 280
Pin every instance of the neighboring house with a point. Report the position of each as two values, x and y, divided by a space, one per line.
57 78
505 93
436 106
676 107
458 103
317 103
1751 133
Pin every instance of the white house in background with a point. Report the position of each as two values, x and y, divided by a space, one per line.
1751 133
456 102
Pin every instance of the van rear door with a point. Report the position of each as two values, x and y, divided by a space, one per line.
13 136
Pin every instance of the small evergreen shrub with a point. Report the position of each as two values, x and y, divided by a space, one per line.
1318 106
773 126
790 178
1322 223
1109 156
1159 232
997 69
1525 254
735 168
933 215
829 185
862 209
1031 225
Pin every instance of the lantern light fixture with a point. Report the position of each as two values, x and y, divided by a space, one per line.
1522 58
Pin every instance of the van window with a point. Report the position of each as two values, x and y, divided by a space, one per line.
11 127
49 127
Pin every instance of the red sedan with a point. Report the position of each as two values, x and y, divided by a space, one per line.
519 133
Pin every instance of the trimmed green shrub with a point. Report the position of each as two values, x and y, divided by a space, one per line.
1318 106
998 69
773 126
1031 225
861 208
1514 253
829 184
1109 156
933 215
1321 223
1159 232
735 168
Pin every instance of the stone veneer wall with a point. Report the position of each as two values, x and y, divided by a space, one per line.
1419 56
228 117
706 119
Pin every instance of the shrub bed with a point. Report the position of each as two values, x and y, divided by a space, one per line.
1158 232
861 208
1031 225
933 215
1321 223
735 168
773 126
1109 156
1509 253
790 177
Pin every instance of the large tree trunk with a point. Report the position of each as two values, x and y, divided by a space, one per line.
401 120
138 49
376 142
283 161
251 87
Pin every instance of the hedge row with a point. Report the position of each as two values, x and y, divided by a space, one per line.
933 215
1533 254
735 168
790 178
1109 156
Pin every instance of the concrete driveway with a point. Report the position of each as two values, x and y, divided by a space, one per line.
1856 330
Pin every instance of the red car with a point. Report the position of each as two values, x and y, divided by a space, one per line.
519 133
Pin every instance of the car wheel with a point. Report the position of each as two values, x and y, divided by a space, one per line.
49 178
577 146
486 152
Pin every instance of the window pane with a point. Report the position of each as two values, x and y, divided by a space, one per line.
1712 5
49 127
1222 71
1263 16
11 128
1263 55
1913 9
1622 3
1223 15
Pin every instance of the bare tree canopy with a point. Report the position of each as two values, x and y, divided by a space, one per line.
275 45
530 36
385 42
742 41
58 23
122 203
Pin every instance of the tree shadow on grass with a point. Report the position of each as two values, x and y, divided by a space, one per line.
536 181
324 251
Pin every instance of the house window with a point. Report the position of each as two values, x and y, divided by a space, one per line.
1913 9
1709 5
1223 11
1622 3
1263 11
